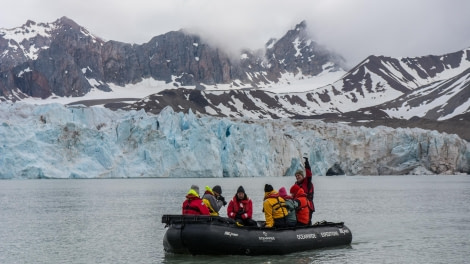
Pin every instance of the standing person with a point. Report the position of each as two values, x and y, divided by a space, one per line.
240 208
302 210
274 207
307 185
291 204
213 199
193 205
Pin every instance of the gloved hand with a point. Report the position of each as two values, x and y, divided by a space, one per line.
244 216
306 164
239 215
231 215
221 198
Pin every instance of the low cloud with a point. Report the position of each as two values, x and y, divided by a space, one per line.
352 28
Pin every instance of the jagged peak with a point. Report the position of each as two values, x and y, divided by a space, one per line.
301 26
29 23
270 43
68 22
29 30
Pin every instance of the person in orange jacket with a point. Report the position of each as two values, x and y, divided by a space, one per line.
302 210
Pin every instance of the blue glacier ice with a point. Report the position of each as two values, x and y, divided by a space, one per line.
57 141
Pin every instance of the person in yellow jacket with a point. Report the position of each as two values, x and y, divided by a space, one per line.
274 207
213 199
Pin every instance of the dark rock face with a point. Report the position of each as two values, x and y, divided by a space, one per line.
55 63
335 170
187 58
296 51
64 59
367 94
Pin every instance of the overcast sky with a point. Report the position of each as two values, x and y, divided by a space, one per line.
352 28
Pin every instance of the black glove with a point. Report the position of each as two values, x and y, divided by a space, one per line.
221 198
239 215
307 165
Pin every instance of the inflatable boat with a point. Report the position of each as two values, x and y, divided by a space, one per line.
214 235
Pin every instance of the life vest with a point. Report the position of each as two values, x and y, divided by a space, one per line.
279 205
302 211
209 195
209 206
192 210
240 207
274 208
193 205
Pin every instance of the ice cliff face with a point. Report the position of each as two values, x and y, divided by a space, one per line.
54 141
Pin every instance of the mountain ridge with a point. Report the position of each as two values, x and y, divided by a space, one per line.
64 59
175 57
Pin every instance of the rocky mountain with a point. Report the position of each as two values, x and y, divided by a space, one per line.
376 81
64 59
379 91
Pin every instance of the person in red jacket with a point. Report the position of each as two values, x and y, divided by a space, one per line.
305 182
193 205
301 211
240 208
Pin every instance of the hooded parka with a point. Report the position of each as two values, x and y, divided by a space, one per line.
274 208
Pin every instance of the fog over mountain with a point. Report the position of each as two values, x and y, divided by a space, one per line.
355 29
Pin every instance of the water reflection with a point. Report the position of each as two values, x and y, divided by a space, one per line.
330 255
393 219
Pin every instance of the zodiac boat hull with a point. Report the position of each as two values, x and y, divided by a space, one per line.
210 235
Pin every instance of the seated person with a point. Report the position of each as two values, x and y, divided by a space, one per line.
274 208
193 205
240 208
213 199
302 209
291 205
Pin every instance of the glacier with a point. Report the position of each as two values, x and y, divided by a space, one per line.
58 141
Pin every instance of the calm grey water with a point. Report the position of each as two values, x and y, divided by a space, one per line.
394 219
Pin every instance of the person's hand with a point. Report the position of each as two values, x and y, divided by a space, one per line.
221 198
306 164
239 215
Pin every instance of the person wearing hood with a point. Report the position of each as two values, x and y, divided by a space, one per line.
274 207
302 210
193 205
213 199
240 208
305 182
291 205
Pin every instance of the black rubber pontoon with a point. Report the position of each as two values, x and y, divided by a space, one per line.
213 235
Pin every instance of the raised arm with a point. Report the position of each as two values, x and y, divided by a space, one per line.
308 170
